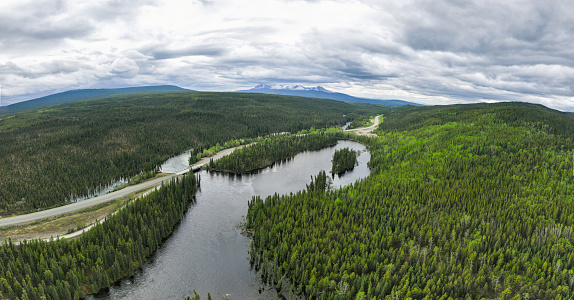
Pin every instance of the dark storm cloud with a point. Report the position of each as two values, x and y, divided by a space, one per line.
351 54
357 70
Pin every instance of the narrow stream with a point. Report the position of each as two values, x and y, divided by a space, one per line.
207 251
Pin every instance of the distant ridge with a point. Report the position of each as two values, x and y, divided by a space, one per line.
84 94
318 92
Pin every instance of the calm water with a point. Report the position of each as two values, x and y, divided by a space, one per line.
207 251
176 163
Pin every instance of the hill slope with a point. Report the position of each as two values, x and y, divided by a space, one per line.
463 202
511 113
85 94
52 154
319 92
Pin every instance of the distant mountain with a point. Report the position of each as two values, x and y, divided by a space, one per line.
85 94
318 92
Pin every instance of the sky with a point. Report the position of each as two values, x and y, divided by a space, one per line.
430 52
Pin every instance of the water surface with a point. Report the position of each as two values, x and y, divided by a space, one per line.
207 251
176 163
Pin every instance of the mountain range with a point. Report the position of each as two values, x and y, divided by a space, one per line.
318 92
84 94
276 89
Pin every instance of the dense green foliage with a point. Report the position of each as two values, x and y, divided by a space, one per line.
70 269
344 160
509 113
56 153
267 151
320 183
463 202
200 152
362 121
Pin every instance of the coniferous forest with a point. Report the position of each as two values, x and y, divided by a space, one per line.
268 151
344 160
53 154
70 269
463 202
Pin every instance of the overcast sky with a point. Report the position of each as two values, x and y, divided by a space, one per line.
432 52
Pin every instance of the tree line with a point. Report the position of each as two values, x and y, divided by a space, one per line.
265 152
54 154
463 202
71 269
344 160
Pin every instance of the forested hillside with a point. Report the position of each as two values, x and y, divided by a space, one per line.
55 153
510 113
70 269
463 202
85 94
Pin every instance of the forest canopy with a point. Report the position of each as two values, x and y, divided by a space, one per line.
344 160
266 152
463 202
53 154
71 269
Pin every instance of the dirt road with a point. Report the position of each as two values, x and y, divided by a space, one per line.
368 131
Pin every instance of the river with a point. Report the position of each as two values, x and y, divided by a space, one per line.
207 251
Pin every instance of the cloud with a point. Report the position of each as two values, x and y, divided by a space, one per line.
28 27
169 53
124 65
434 52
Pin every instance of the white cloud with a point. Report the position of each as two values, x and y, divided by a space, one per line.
124 65
426 51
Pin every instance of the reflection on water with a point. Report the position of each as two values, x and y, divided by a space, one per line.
172 165
207 251
344 127
101 190
176 163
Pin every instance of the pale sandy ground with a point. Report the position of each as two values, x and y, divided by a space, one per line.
368 131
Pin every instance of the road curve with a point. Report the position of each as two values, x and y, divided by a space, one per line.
368 131
21 219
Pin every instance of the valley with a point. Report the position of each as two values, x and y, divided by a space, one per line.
288 150
461 201
55 155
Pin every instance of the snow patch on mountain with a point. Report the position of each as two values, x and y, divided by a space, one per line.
317 92
290 87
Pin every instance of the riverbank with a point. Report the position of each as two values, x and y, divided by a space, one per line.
57 224
110 251
58 221
207 251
